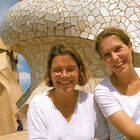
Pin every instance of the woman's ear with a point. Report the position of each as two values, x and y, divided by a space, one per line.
130 46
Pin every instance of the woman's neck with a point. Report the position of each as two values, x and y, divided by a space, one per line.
127 84
125 79
64 97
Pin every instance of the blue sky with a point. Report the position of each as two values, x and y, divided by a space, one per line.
24 73
23 69
5 5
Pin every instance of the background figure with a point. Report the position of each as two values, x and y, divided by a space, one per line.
119 94
64 112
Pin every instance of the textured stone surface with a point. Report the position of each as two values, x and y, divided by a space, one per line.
42 18
10 91
15 136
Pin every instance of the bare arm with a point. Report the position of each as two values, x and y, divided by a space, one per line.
125 125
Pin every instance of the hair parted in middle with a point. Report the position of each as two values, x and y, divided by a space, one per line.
121 34
61 49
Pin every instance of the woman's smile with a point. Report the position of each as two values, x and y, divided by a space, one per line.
118 65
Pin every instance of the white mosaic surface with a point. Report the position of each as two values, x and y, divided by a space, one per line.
75 18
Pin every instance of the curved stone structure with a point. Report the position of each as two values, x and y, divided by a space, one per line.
69 18
31 27
10 91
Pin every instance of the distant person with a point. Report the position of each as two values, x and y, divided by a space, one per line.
118 95
64 113
20 127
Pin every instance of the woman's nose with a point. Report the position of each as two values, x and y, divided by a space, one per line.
114 56
64 73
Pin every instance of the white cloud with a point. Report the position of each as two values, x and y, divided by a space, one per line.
20 67
24 80
21 58
21 63
24 73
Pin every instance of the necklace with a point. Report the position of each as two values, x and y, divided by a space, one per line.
64 105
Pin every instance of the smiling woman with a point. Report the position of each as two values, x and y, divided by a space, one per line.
119 94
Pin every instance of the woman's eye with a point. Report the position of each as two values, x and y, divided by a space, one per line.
70 69
57 70
106 55
118 49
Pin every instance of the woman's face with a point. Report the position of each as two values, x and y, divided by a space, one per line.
64 73
116 55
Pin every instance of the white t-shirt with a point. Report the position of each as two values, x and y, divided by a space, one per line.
45 122
111 100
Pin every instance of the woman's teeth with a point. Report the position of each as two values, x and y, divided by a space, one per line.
120 64
65 82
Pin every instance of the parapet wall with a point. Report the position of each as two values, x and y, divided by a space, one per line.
15 136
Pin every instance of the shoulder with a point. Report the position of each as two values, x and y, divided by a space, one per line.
39 98
84 94
105 92
40 103
103 87
104 83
